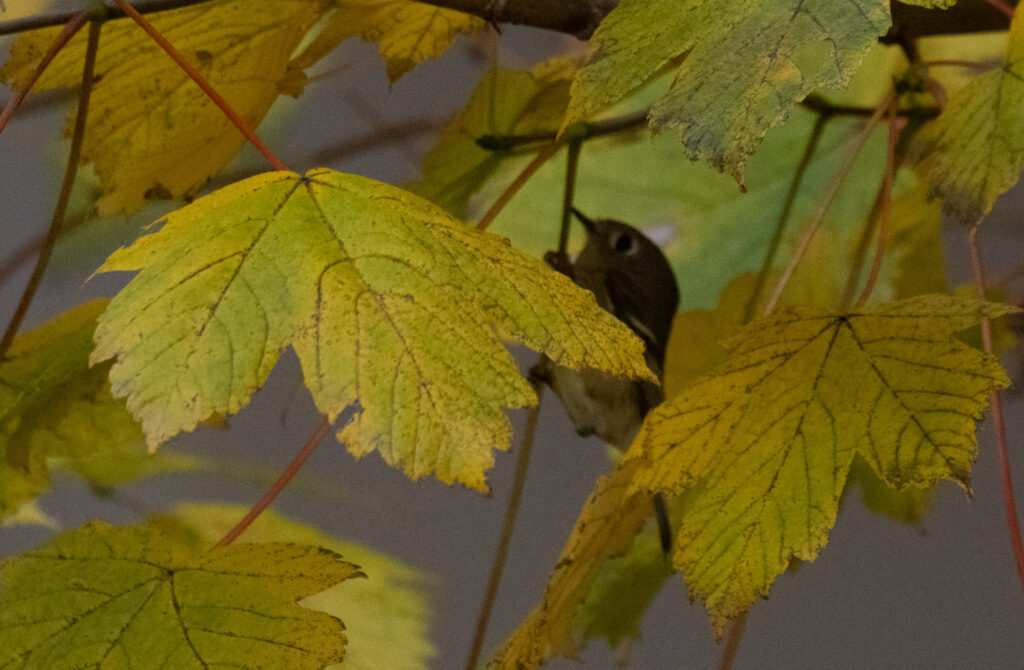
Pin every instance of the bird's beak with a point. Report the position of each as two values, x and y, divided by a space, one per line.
587 223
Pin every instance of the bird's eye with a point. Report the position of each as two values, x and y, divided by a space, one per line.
624 243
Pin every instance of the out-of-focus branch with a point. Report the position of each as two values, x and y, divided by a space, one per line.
967 16
580 17
576 17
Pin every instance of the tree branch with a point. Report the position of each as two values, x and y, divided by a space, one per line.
580 17
576 17
961 18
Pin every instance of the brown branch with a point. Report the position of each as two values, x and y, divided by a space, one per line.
73 25
581 17
576 17
275 489
964 17
519 182
507 528
58 19
996 405
61 207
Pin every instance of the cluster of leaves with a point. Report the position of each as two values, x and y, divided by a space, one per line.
397 307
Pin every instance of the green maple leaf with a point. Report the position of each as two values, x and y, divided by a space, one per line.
387 616
767 441
745 65
975 150
135 597
386 299
53 405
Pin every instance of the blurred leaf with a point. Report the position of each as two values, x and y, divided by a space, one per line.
408 32
505 103
696 345
975 150
29 514
904 505
606 528
620 595
53 404
386 615
152 132
916 240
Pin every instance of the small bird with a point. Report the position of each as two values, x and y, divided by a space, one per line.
631 278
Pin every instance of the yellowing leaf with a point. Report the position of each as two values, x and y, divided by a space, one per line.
975 150
386 299
622 592
386 615
744 69
505 102
108 597
409 32
768 440
606 527
916 239
696 342
52 404
152 132
904 505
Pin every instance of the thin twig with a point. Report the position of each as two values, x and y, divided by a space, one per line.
193 74
507 528
820 105
830 193
1009 504
60 18
74 24
1001 6
61 208
542 157
885 194
787 207
971 65
275 489
569 194
582 132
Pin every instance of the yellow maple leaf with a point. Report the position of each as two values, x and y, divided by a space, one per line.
767 442
408 32
152 133
98 596
606 527
975 150
393 592
386 299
